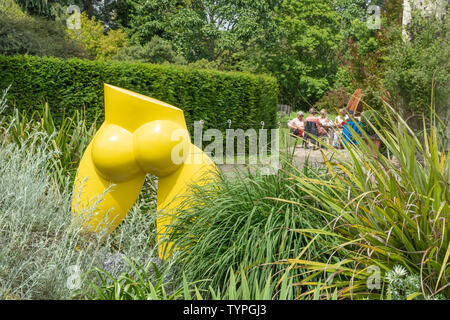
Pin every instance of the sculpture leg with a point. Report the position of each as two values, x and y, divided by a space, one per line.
173 188
99 205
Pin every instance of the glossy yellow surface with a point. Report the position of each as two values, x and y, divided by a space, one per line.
140 135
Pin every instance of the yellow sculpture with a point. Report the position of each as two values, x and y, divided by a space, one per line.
140 135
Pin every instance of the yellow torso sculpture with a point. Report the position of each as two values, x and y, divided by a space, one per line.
140 135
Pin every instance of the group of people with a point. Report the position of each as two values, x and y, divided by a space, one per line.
333 130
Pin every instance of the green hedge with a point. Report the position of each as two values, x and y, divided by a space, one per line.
72 84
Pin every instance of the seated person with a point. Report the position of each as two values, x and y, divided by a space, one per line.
297 125
324 120
326 124
347 133
312 118
339 123
341 118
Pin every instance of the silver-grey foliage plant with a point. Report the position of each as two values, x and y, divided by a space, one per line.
40 248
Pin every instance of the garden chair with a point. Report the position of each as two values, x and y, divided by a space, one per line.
353 104
311 132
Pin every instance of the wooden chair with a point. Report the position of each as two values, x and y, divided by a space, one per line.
353 103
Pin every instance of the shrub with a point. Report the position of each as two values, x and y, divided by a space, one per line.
95 42
11 8
333 100
372 120
23 34
67 142
202 94
144 282
415 66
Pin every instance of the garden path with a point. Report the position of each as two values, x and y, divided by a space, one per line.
301 156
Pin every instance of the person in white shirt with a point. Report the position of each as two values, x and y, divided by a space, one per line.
341 118
324 120
297 125
327 129
339 125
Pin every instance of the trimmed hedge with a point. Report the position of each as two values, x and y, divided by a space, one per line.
72 84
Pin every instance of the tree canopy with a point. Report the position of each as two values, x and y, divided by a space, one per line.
315 48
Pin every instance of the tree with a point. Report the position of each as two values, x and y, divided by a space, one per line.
120 13
49 9
112 13
151 18
96 43
204 29
21 33
304 56
414 66
362 53
157 50
215 30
